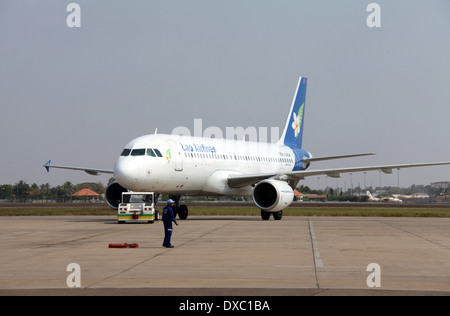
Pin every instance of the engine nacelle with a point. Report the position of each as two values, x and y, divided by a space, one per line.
273 195
113 194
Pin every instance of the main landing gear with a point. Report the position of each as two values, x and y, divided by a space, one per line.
276 215
182 210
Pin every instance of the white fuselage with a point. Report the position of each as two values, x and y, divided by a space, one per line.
177 164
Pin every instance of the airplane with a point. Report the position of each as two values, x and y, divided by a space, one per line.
392 199
371 197
179 165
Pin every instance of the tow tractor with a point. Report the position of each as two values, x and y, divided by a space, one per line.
137 207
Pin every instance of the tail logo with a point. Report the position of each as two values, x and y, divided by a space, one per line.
298 120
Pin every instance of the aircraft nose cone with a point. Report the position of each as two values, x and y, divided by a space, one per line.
126 173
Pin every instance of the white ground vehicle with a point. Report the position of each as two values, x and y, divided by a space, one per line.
137 207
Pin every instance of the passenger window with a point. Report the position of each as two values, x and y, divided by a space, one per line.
158 153
150 152
138 152
125 152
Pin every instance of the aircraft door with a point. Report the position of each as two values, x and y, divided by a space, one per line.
176 156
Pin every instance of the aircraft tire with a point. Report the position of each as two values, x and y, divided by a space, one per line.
265 215
278 215
183 212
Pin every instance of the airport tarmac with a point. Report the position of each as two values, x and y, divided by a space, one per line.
226 255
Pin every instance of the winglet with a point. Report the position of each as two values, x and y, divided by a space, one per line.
47 165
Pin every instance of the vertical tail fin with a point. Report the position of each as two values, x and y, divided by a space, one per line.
293 130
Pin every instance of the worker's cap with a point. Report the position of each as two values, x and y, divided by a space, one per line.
170 201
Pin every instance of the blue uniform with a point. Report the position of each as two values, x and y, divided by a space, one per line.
168 218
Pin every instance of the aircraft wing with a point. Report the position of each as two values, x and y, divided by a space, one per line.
243 180
238 181
90 171
313 159
336 173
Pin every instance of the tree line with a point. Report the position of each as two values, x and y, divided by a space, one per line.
24 192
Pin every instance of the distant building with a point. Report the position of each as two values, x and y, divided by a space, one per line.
314 197
86 194
298 196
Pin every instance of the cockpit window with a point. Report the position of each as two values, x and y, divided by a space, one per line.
158 153
125 152
138 152
151 152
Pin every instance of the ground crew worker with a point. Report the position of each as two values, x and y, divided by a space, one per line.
168 218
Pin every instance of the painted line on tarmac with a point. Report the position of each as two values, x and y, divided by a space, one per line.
318 263
315 246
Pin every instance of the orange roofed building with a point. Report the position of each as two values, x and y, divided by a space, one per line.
86 194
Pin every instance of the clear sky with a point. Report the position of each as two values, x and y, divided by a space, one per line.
78 95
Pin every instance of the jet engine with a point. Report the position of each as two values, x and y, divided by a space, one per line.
272 195
113 194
